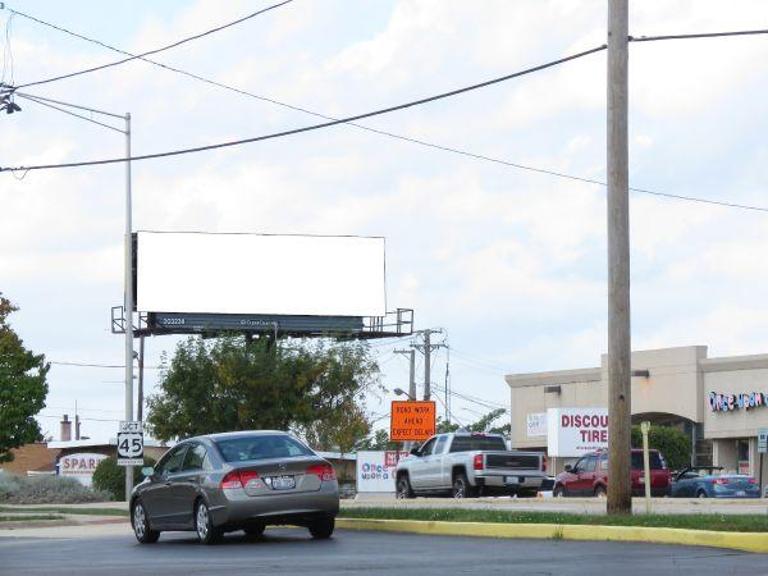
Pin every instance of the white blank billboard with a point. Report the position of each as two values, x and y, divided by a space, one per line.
189 272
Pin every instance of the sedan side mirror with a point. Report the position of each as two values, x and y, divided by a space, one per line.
415 452
148 471
568 468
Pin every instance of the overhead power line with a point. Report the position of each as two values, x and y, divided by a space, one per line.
96 365
420 142
147 53
697 35
313 127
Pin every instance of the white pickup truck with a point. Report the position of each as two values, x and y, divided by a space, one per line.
468 464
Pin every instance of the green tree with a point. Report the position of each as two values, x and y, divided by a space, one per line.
23 387
672 442
227 384
379 441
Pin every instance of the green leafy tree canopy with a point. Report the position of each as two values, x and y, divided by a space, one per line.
23 387
313 388
672 442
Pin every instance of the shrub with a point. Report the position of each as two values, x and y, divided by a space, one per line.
46 490
671 442
110 478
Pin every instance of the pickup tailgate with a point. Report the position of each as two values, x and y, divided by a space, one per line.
512 461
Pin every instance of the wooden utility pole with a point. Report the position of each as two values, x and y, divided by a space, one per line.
619 344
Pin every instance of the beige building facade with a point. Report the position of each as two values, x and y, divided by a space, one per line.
721 403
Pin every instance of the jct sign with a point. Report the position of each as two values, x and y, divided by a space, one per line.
575 431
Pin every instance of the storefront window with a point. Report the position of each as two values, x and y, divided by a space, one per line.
742 450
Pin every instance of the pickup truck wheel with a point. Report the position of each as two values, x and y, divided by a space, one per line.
404 489
461 487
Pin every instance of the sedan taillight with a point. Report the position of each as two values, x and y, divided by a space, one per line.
238 478
721 481
325 472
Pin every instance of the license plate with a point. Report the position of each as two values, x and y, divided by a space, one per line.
741 493
281 482
513 480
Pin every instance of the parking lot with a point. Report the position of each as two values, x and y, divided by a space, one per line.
112 550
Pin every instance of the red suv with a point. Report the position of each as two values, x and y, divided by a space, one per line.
589 476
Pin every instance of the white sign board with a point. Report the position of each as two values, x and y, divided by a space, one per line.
130 444
376 470
762 440
80 466
260 274
536 424
576 431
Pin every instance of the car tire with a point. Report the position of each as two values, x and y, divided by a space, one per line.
559 491
461 488
322 529
601 492
254 531
140 522
702 494
404 489
207 533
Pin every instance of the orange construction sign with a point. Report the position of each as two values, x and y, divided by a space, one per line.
412 421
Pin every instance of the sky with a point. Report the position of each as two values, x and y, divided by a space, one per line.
510 263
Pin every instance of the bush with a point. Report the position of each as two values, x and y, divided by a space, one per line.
671 442
46 490
110 478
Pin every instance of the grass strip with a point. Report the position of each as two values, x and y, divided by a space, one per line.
28 517
720 522
64 510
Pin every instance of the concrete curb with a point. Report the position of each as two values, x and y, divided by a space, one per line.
746 541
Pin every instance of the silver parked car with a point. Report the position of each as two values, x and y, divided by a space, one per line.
236 481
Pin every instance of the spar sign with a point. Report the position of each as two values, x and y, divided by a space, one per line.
576 431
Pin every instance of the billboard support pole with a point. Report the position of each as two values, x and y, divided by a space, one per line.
128 295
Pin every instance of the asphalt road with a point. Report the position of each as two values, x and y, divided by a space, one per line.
291 551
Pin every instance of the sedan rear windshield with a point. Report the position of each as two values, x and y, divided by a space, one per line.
656 461
261 447
472 443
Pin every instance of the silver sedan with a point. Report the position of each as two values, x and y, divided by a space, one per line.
236 481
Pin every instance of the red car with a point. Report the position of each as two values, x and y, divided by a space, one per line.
589 476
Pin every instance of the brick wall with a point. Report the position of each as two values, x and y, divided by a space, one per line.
37 457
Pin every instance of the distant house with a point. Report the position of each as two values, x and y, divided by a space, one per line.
30 459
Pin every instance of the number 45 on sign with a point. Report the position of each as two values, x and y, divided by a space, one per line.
130 444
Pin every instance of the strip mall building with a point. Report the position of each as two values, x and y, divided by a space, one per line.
720 402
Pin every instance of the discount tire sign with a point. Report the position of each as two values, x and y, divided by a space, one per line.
576 431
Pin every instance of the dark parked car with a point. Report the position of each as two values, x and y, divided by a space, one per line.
589 476
236 481
701 482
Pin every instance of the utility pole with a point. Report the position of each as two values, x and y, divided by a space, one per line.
426 348
412 379
619 343
128 294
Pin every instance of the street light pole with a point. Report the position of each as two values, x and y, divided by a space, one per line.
128 295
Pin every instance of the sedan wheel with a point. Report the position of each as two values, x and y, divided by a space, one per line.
144 534
558 492
206 532
701 494
322 529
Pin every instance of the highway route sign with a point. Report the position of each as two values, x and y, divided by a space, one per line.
130 444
